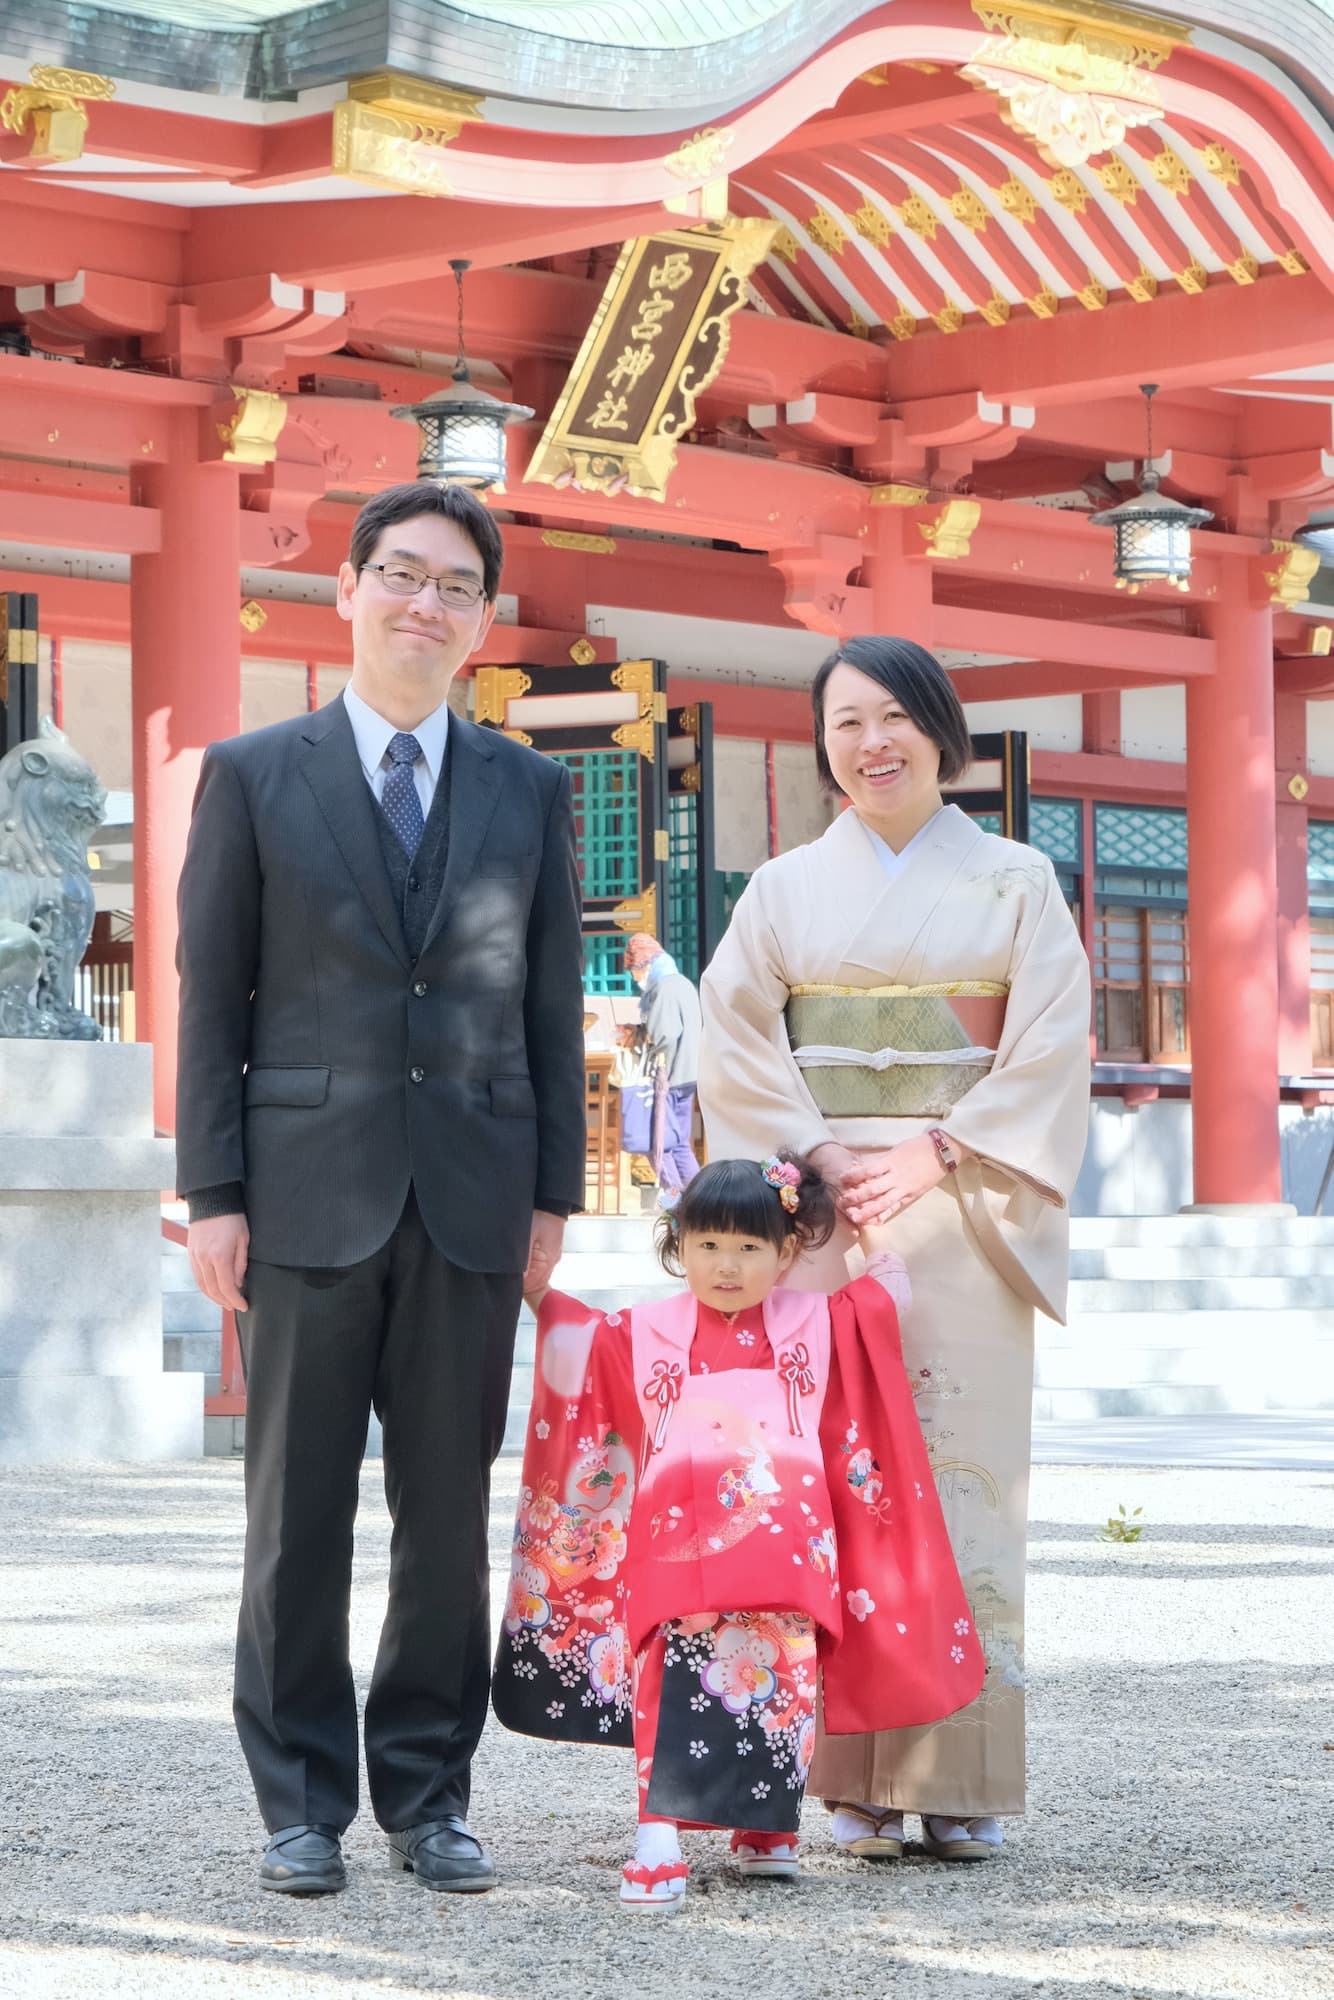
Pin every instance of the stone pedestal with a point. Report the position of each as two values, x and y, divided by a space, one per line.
80 1260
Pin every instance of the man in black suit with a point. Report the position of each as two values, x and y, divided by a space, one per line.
380 1133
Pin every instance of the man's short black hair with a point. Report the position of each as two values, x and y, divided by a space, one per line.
917 682
423 496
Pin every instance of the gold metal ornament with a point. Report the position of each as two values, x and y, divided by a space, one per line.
826 230
871 222
898 493
638 913
588 545
1290 579
51 108
583 652
1073 78
391 131
949 535
495 688
250 435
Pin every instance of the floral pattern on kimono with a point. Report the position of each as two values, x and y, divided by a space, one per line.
725 1719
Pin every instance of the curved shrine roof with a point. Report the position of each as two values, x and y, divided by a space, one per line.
689 57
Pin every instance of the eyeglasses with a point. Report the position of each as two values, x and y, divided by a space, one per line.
456 593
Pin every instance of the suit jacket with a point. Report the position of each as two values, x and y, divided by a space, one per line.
326 1068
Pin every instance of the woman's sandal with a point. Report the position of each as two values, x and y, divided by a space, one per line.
662 1888
864 1834
773 1854
960 1839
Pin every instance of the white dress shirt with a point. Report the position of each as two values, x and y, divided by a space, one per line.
373 733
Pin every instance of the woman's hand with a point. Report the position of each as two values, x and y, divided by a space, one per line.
882 1185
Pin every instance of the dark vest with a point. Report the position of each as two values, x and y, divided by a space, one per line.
417 883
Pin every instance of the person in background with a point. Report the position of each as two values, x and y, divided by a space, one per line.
672 1021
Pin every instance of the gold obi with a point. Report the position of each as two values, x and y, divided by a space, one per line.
894 1051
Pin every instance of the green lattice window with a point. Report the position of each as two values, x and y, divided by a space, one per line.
605 785
1320 850
683 886
1320 867
1140 854
989 822
606 816
1142 837
604 964
1056 826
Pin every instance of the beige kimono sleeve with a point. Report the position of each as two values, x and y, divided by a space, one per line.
753 1097
1028 1116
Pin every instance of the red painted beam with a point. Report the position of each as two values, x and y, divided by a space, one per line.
1275 324
345 245
777 715
154 137
1031 680
1164 655
51 520
52 232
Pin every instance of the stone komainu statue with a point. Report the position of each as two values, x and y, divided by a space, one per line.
49 804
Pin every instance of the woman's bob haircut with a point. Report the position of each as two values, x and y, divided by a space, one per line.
917 682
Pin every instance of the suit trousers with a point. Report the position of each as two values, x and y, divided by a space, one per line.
430 1348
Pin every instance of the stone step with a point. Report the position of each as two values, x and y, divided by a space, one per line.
1206 1260
1229 1366
193 1352
1157 1399
190 1312
1098 1232
1197 1295
1262 1332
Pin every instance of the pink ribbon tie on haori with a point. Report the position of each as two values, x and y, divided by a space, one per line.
663 1388
794 1368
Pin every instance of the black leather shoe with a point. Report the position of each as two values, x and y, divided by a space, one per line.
303 1861
442 1854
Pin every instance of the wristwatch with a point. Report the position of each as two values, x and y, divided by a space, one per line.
942 1145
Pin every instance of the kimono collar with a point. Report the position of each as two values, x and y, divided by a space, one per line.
787 1316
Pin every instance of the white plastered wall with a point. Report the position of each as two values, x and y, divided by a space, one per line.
1053 722
741 826
1153 724
1320 738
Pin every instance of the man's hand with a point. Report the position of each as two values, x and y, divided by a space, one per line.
543 1251
219 1252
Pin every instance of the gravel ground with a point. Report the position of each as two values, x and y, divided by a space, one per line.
1177 1844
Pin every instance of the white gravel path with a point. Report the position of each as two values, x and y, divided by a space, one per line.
1178 1842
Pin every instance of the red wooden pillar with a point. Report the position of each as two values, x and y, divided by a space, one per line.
185 648
1234 1018
1294 918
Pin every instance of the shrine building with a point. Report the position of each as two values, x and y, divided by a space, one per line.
760 326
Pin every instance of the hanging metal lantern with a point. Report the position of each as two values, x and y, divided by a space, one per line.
1152 532
462 428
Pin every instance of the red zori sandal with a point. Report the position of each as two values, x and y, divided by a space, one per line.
662 1888
766 1853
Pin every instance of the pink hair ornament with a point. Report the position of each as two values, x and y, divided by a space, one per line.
785 1179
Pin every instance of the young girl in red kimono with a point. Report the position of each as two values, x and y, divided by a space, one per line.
726 1493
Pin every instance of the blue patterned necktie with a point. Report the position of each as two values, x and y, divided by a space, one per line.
399 801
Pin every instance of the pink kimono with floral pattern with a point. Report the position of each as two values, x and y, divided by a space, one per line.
711 1509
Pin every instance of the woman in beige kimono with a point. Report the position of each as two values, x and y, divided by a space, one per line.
908 999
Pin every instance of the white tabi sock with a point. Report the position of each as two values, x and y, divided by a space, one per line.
657 1844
